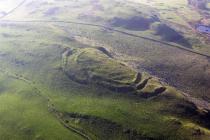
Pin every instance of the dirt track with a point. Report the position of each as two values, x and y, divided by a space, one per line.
108 28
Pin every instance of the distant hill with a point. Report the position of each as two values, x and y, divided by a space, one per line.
198 3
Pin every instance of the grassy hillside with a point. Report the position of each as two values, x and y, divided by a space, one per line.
73 81
25 115
132 16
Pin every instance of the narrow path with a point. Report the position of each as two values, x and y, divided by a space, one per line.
100 26
71 128
50 105
108 28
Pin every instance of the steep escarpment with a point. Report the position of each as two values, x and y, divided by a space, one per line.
96 66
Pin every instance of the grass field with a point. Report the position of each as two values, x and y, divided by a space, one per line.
39 99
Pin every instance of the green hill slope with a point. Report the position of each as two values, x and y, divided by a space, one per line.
64 80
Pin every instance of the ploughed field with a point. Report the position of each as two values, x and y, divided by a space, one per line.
101 70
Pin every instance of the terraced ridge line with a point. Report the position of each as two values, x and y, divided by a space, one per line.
198 102
50 106
142 84
108 28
